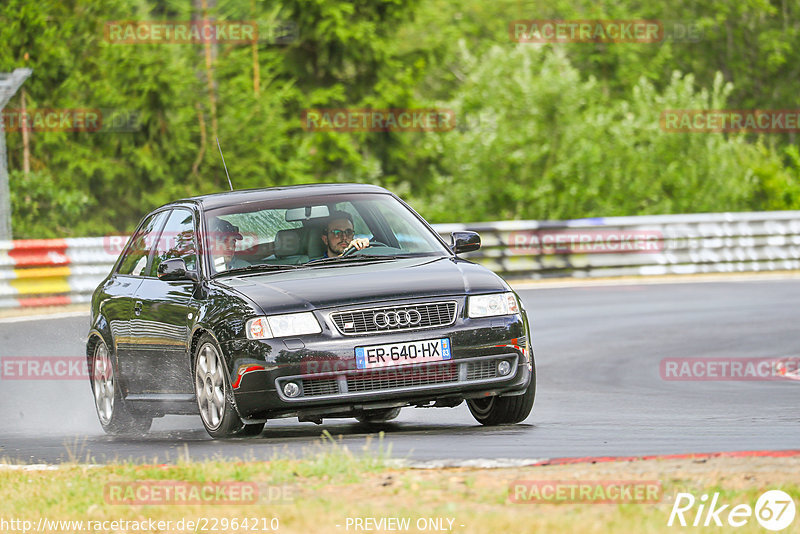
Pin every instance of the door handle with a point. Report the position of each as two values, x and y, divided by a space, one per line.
137 308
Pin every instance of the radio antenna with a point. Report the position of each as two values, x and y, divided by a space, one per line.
223 164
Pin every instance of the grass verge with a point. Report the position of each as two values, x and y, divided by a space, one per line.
333 488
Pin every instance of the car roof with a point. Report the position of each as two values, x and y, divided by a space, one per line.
228 198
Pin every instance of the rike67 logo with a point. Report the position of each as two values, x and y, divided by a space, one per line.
774 510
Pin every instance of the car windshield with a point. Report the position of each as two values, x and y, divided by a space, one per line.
300 232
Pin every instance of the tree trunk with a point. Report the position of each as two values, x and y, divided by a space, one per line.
26 145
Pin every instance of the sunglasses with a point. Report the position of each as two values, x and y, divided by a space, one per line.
339 233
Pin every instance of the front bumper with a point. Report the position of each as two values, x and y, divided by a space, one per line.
324 368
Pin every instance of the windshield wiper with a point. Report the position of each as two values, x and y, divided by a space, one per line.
256 268
344 259
391 256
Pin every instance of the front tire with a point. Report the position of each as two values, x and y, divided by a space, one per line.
214 394
115 418
492 411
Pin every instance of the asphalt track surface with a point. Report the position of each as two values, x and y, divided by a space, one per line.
599 388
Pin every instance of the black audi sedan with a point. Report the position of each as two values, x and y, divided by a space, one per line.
311 301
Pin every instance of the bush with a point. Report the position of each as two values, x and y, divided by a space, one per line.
538 142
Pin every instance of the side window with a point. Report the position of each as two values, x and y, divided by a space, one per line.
176 241
134 259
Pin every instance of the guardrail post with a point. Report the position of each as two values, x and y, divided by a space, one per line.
9 85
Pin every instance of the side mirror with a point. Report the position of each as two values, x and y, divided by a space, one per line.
464 242
175 269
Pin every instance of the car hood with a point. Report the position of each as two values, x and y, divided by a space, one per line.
349 284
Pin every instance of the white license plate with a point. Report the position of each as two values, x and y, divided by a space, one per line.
393 354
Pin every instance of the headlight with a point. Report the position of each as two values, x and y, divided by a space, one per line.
285 325
492 305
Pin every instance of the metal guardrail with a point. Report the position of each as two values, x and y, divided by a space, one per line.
63 271
639 246
48 272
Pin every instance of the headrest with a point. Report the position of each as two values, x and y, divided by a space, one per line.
316 248
289 242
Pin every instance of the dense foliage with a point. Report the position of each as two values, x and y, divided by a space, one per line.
544 131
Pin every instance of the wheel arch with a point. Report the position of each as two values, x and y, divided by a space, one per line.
198 332
94 337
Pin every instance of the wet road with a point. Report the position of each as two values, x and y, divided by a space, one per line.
599 388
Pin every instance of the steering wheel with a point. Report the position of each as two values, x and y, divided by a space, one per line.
349 251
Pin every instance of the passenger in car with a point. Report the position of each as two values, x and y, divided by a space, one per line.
339 235
223 238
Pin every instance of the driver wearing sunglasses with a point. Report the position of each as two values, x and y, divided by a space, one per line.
338 235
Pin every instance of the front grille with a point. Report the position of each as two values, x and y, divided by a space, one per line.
320 386
481 370
342 384
403 378
394 318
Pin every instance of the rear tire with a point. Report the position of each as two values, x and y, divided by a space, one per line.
115 417
378 416
491 411
214 394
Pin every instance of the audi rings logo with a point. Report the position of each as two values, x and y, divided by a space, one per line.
397 318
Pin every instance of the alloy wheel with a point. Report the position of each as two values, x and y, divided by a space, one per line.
103 377
210 385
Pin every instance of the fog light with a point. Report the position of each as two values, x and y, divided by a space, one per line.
291 389
503 368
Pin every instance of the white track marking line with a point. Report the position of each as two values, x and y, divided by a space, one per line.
634 281
45 316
